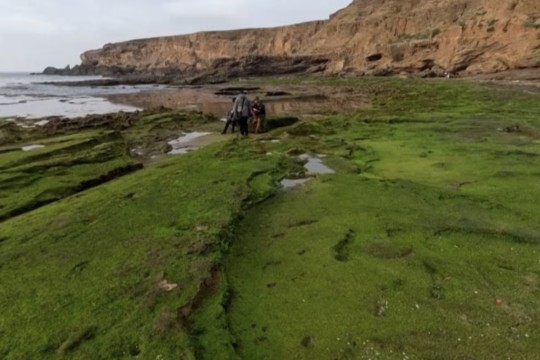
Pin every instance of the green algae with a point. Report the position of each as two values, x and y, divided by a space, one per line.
413 241
71 161
430 281
66 165
423 245
97 260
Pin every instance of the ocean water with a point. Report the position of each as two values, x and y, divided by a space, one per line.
26 96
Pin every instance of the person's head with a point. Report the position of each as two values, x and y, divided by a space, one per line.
234 99
256 99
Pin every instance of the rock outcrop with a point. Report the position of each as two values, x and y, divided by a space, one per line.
381 37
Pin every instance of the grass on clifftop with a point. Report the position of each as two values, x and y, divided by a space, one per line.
423 245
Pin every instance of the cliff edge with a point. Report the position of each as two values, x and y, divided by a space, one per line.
381 37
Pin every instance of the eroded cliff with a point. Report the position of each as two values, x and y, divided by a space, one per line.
429 37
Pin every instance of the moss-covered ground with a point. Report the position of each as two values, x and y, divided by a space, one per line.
425 243
71 161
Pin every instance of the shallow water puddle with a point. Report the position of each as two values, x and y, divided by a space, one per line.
28 124
315 165
273 141
32 147
287 184
137 151
183 150
186 143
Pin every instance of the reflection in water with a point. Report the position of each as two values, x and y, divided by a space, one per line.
32 147
182 151
188 137
291 183
186 142
315 165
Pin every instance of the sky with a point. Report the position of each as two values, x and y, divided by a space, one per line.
39 33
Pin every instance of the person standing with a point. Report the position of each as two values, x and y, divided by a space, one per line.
259 113
230 120
241 111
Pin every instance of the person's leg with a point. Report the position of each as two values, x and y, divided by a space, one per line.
226 127
263 118
241 125
257 124
244 124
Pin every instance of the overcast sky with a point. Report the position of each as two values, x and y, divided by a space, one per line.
38 33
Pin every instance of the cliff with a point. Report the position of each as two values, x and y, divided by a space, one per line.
429 37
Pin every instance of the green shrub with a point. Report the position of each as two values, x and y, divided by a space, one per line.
491 25
532 22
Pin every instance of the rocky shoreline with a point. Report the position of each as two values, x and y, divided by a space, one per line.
222 75
220 71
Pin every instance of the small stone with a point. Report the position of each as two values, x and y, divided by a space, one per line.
165 285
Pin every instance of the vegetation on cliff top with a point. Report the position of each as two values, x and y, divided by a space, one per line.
423 245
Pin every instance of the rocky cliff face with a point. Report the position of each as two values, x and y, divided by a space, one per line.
471 36
430 37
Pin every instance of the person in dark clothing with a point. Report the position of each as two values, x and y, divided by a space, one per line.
241 111
259 113
230 120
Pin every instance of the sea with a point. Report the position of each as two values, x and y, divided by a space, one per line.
23 95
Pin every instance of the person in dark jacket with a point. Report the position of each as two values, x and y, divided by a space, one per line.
241 111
